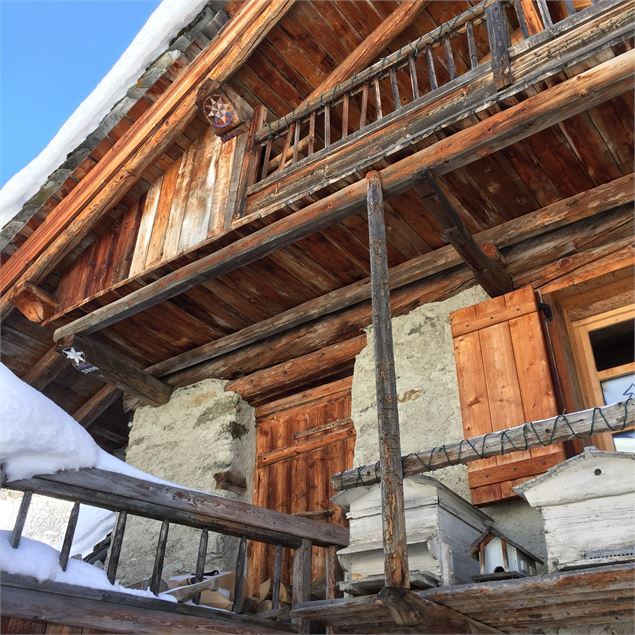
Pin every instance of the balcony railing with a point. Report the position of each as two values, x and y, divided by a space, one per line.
480 35
175 505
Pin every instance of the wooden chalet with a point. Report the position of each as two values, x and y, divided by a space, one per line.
285 175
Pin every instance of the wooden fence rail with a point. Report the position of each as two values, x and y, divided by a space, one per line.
176 505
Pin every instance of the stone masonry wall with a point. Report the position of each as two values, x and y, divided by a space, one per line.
202 430
429 408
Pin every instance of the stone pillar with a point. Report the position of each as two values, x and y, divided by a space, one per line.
200 432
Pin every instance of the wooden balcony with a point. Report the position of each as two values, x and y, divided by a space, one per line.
488 54
53 602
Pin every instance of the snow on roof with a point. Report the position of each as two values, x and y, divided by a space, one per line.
170 17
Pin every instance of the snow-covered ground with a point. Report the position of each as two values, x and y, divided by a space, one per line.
40 561
38 437
162 26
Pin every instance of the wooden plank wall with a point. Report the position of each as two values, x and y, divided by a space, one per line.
193 200
296 477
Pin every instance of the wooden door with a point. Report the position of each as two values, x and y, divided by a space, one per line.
300 442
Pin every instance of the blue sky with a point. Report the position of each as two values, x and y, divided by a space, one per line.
52 54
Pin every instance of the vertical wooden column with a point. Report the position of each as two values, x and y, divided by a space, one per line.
394 523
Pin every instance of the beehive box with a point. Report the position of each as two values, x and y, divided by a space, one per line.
440 527
588 506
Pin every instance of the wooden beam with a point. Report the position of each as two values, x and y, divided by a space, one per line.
115 612
94 358
558 214
46 369
502 129
151 134
97 405
182 506
35 304
369 49
396 571
409 609
535 434
489 273
326 362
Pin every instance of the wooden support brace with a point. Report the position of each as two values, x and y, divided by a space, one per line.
93 358
393 515
35 304
408 609
489 272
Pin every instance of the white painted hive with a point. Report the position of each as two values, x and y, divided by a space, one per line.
588 506
440 527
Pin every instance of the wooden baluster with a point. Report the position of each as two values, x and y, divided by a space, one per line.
240 576
362 117
345 103
20 519
287 145
377 97
522 20
200 562
157 570
499 43
115 549
68 537
296 141
311 146
395 87
471 45
447 45
277 578
543 8
265 163
414 82
302 580
327 125
432 74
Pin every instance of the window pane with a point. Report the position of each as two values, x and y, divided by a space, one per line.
618 389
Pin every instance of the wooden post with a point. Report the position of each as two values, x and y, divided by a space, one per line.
157 570
200 562
301 591
394 523
499 42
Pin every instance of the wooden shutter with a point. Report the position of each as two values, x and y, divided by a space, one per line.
504 380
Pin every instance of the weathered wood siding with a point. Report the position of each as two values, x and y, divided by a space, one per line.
293 465
504 379
193 200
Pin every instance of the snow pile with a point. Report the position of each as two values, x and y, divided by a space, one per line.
36 435
93 525
170 17
40 561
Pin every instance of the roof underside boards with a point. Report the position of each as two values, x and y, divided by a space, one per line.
583 152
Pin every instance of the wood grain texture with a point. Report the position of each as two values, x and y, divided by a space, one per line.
153 132
545 109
